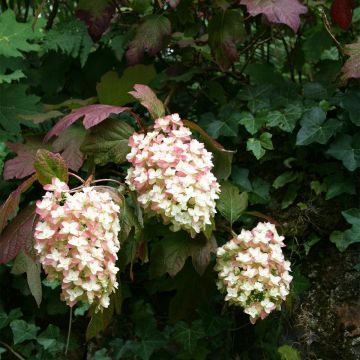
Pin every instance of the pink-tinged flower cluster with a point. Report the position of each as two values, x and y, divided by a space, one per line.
253 272
172 174
76 239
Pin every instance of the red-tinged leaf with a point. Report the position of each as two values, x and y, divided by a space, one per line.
18 235
48 165
97 15
341 13
68 144
99 321
149 38
173 3
149 100
226 30
92 114
10 206
22 165
279 12
351 68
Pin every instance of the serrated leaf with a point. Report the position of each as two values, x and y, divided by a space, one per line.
346 149
148 99
114 90
14 103
91 114
279 12
17 37
231 203
48 165
14 76
71 38
10 207
149 38
226 30
18 235
315 128
108 142
288 353
23 331
25 264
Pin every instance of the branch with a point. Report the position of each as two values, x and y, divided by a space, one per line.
52 15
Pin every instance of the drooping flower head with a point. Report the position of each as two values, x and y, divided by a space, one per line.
76 239
252 271
172 175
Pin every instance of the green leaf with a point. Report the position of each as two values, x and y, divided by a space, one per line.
99 322
351 102
352 216
315 127
265 140
16 37
285 178
240 177
71 38
149 37
114 90
226 30
290 195
51 339
346 149
49 165
260 193
257 97
231 203
14 103
308 244
286 119
23 331
254 145
300 282
337 184
288 353
25 264
14 76
252 124
188 335
108 142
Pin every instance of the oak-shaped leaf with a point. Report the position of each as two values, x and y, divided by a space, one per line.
351 68
148 99
97 15
149 38
18 235
226 30
48 165
91 114
10 207
279 12
108 142
231 203
26 264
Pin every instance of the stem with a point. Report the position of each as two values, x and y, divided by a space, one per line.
290 60
110 180
52 15
16 354
138 121
69 332
77 177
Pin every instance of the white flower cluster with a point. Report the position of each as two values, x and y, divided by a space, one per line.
172 174
76 239
253 272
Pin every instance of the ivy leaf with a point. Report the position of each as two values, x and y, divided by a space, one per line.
48 165
259 146
285 178
68 144
25 264
92 114
351 102
10 207
226 30
18 235
108 142
71 38
285 119
149 38
351 68
231 203
14 102
188 335
97 15
343 239
279 12
315 128
346 149
51 339
338 184
113 90
23 331
352 216
16 37
22 165
252 123
148 99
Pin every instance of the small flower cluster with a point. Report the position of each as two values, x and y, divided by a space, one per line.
77 241
172 174
253 272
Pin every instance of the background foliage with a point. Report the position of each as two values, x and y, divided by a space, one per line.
272 81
